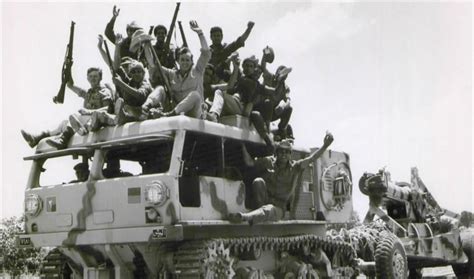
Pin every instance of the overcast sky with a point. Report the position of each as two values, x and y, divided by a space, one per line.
391 81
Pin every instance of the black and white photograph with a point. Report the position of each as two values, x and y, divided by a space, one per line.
236 139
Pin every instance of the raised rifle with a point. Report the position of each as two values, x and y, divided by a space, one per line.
150 31
183 37
66 71
109 59
110 109
171 29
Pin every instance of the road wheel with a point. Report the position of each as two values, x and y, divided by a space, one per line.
390 258
466 270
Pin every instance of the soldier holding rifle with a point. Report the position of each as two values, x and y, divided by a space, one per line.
186 83
97 98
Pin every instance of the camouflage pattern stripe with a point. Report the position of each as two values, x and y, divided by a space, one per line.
218 204
81 215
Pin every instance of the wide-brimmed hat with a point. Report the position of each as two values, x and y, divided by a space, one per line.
138 38
251 59
133 25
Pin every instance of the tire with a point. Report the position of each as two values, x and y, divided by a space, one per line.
390 258
466 270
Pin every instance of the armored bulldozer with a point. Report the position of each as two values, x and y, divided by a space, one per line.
422 234
157 200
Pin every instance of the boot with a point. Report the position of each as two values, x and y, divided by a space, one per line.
33 140
77 126
61 141
254 216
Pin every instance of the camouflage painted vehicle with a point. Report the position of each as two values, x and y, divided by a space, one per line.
167 217
422 234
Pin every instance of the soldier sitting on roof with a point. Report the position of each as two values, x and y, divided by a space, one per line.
275 189
254 96
186 83
97 98
82 172
280 100
220 51
224 103
122 44
133 93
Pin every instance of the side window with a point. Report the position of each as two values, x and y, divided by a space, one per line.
202 155
138 159
64 170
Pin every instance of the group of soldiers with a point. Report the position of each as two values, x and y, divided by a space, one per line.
205 89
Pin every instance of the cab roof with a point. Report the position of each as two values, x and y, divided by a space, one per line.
149 130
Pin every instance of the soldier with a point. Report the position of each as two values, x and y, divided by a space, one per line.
82 172
220 51
165 53
133 94
113 169
186 82
123 44
97 98
275 188
280 101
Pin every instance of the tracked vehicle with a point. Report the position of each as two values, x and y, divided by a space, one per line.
167 217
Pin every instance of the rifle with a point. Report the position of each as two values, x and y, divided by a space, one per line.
150 31
116 94
171 29
185 43
66 71
109 59
166 82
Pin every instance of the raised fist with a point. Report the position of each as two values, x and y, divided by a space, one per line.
115 12
328 139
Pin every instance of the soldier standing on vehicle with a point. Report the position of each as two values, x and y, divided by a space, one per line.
276 187
122 44
165 53
221 51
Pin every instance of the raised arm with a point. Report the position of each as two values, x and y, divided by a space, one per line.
205 50
76 89
246 34
109 28
127 89
102 52
328 139
235 70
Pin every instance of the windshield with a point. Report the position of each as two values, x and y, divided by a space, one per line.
138 159
64 170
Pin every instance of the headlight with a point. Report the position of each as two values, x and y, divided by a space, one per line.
156 193
33 205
